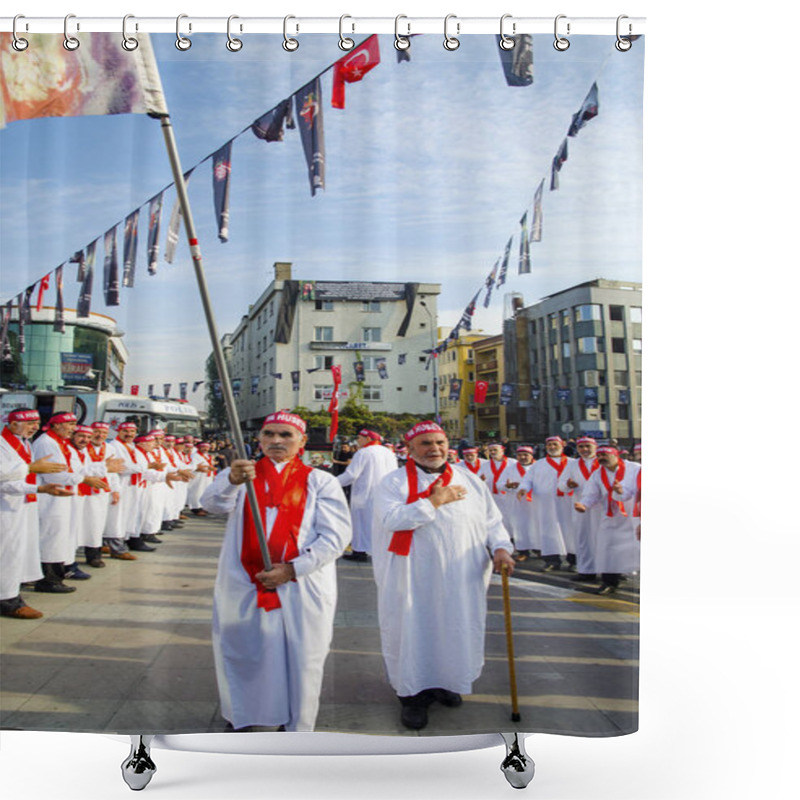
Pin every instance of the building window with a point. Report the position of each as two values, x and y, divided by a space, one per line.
552 321
565 317
620 377
587 345
323 362
372 393
423 387
322 393
587 313
636 313
533 328
323 305
617 345
554 349
565 349
638 374
371 305
623 412
637 345
371 334
323 333
616 313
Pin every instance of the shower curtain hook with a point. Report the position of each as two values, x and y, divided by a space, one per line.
129 43
289 44
451 42
506 42
561 43
17 42
401 42
70 42
623 45
233 44
182 42
345 43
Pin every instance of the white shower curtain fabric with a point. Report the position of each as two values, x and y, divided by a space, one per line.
458 232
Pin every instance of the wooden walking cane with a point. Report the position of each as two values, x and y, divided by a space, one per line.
512 673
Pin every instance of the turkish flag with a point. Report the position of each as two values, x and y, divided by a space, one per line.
481 387
353 67
333 407
135 389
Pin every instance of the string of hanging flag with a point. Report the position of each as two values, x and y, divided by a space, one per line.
302 110
498 274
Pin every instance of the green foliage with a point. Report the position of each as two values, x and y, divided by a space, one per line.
217 417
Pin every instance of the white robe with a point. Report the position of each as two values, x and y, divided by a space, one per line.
368 467
58 537
200 481
541 479
505 496
95 505
584 526
153 494
19 525
432 602
269 664
617 548
122 520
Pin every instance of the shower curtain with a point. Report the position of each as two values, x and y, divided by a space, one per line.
389 236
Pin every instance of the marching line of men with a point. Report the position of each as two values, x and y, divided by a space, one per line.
73 490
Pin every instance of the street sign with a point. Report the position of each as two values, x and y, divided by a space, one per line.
567 427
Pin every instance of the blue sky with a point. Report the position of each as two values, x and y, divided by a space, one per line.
428 171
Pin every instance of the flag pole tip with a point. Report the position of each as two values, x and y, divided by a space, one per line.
515 717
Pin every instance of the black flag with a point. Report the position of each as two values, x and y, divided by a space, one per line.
111 269
85 297
153 229
588 110
269 127
221 166
130 240
518 61
308 105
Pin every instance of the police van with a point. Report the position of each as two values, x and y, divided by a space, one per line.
177 417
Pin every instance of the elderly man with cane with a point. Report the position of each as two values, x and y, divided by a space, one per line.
272 628
432 527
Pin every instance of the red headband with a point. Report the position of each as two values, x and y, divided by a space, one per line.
285 418
57 419
23 415
423 427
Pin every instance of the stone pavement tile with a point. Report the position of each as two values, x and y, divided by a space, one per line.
162 716
92 680
24 674
184 685
383 718
46 713
623 721
356 679
358 618
360 639
180 653
561 646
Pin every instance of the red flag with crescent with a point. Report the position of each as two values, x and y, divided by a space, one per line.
333 407
481 388
353 67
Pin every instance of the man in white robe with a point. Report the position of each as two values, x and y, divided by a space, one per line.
272 630
526 538
98 504
20 561
584 524
617 550
551 506
502 479
203 469
432 527
122 522
471 462
58 536
371 463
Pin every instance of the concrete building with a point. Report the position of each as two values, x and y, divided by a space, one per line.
490 416
576 357
457 363
282 351
90 353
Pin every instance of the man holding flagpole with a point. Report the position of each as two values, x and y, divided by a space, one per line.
272 628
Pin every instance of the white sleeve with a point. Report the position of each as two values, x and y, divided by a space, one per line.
354 469
220 495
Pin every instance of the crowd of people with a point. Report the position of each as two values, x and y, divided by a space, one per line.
434 522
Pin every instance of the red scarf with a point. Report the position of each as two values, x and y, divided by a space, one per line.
23 450
637 503
522 471
64 447
474 470
83 489
559 467
170 454
401 540
97 456
136 477
587 473
619 475
496 473
287 490
148 459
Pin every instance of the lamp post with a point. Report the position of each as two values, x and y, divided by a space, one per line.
434 358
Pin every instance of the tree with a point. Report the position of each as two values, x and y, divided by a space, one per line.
11 363
215 406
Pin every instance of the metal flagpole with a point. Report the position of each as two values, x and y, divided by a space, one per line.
512 673
227 389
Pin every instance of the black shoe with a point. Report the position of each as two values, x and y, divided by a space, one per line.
151 537
97 563
607 589
74 573
140 546
356 555
446 697
166 526
52 588
414 717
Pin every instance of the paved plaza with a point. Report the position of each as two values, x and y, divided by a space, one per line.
130 652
